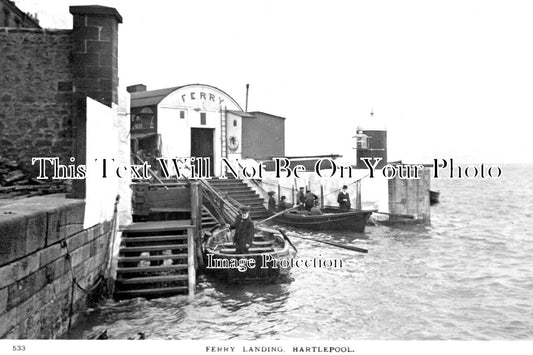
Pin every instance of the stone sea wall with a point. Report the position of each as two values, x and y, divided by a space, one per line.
43 249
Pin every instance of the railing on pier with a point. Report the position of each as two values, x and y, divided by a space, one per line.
224 207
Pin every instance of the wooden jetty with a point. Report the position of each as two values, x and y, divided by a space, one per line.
161 252
156 259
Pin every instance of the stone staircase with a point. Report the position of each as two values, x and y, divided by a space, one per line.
153 260
208 221
244 194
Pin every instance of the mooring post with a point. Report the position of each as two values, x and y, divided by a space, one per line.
358 195
191 274
321 196
292 195
196 218
279 193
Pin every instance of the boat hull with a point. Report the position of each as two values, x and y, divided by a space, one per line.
331 219
264 266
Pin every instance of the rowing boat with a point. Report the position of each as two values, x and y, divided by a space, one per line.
330 219
267 260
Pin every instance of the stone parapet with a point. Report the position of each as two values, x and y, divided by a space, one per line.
44 249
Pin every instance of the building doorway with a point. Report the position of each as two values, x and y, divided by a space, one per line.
202 146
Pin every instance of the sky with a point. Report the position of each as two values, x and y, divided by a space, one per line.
449 79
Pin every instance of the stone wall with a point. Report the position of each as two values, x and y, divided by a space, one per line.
36 97
44 247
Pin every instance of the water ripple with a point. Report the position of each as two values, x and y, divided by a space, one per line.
468 276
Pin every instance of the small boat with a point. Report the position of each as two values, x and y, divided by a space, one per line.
267 260
330 219
433 197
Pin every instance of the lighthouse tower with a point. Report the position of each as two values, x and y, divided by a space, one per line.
371 142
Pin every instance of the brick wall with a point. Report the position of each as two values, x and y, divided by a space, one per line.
36 96
36 275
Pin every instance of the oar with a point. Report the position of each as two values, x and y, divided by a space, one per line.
287 239
360 250
408 216
275 215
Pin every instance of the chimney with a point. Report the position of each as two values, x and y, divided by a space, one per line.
136 88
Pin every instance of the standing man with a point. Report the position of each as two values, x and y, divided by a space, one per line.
271 202
244 231
300 198
344 199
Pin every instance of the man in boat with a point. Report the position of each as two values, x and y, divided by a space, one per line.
271 202
316 209
344 199
283 205
300 198
244 231
310 200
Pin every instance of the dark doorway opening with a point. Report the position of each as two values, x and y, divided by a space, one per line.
202 146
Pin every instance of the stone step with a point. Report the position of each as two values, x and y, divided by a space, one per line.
157 238
155 292
134 259
216 181
152 279
242 188
153 248
250 201
158 226
244 194
162 268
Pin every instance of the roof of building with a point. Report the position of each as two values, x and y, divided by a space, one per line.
151 97
33 21
154 97
266 114
241 113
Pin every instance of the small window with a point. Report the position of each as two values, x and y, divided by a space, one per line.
361 141
234 123
6 18
203 118
17 22
182 114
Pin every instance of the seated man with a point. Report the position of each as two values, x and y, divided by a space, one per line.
310 199
315 209
244 231
283 205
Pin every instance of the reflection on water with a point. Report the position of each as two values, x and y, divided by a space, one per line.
467 276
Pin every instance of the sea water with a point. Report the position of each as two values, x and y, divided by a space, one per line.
467 276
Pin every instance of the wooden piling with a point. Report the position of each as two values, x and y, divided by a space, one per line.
358 195
196 218
191 270
292 195
321 196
